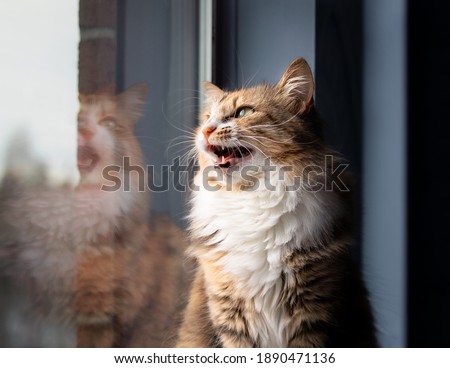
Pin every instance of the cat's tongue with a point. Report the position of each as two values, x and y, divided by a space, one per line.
87 158
227 157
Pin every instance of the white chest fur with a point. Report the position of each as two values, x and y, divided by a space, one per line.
47 228
254 229
65 216
50 227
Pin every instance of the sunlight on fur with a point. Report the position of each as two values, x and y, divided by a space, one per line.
274 267
87 261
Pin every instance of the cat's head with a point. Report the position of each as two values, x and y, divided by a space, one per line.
249 125
106 123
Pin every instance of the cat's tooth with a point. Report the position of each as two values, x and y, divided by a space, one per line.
223 148
223 159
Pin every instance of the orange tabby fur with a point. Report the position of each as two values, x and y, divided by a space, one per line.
88 257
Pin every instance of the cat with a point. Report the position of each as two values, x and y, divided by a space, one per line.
273 257
88 255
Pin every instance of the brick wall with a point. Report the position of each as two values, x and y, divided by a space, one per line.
98 43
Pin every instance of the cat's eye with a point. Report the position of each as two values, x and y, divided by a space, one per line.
109 123
244 111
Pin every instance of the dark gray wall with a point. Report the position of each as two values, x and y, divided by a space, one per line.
257 39
384 166
361 67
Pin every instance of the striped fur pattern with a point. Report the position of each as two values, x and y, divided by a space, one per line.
274 268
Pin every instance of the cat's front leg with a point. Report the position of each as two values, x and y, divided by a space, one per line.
235 340
196 330
94 301
95 335
307 336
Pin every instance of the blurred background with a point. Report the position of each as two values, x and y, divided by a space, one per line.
381 88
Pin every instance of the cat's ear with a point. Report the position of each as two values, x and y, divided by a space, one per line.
132 101
212 92
298 86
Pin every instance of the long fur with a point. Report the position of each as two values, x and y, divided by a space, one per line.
274 268
86 257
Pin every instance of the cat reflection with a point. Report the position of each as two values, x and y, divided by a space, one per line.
89 264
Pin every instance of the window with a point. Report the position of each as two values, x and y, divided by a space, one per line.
53 51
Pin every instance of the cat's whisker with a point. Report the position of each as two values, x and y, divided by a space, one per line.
247 84
190 154
182 140
273 140
186 99
263 137
186 152
183 148
172 124
239 149
276 123
255 147
252 137
187 143
187 138
190 161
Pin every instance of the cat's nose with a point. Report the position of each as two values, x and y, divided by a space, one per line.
207 130
85 133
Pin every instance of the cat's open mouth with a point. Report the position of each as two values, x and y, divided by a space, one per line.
87 158
229 156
